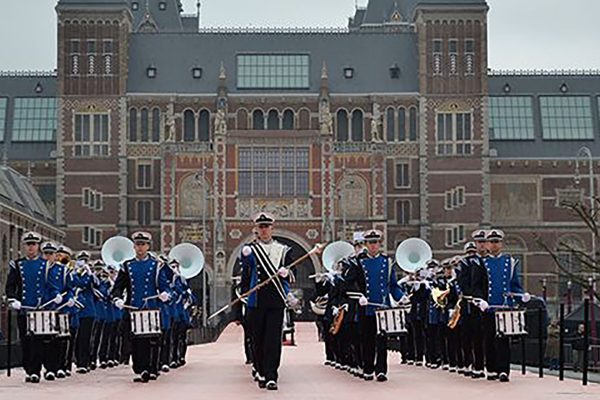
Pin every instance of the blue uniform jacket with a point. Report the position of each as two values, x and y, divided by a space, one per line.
28 282
503 272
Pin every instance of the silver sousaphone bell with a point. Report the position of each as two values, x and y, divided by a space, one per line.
335 252
190 257
116 250
413 254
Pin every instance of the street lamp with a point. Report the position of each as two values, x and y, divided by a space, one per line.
202 182
586 152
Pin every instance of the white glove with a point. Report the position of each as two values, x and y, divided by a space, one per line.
363 301
164 297
483 305
71 302
526 297
246 251
120 303
283 272
15 305
335 311
405 300
58 299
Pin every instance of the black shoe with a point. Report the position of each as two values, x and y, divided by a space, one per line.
381 377
477 375
504 377
60 374
165 368
248 362
35 378
103 365
93 366
262 383
68 372
145 376
49 376
81 370
27 378
137 379
368 377
153 377
182 362
492 377
271 385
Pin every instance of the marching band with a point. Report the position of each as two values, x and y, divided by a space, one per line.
100 313
84 312
451 314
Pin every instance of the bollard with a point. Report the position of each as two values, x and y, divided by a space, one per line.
9 343
561 344
523 355
586 340
541 342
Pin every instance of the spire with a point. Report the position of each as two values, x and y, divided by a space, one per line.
148 24
324 73
222 72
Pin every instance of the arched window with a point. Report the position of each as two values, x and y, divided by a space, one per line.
342 126
357 126
204 125
412 124
189 126
258 120
390 125
242 119
144 125
156 125
402 124
304 119
288 120
133 125
273 120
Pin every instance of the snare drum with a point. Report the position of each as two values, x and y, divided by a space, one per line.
64 326
145 322
392 320
510 323
42 323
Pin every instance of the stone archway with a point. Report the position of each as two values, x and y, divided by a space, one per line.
304 287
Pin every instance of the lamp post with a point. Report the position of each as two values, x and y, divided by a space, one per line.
586 152
202 181
569 296
544 289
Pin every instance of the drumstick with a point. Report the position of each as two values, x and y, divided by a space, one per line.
51 301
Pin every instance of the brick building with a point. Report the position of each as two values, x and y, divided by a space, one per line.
395 122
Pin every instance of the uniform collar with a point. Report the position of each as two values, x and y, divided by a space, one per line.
146 257
269 242
497 256
37 256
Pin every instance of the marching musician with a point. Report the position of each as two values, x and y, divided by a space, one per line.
55 353
436 318
146 283
83 280
184 300
264 259
27 285
108 328
353 317
452 335
473 282
240 312
99 290
63 256
373 275
418 314
504 282
167 319
116 342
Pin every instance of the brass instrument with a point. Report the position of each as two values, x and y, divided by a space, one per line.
440 297
456 313
413 254
338 320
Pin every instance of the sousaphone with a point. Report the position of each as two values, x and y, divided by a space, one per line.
335 252
116 250
190 257
413 254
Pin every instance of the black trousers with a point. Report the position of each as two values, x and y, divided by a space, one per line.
70 350
125 335
453 347
83 342
433 344
472 339
31 347
343 345
62 347
165 346
97 329
107 335
267 327
497 349
356 345
115 343
145 354
374 347
418 332
248 345
407 344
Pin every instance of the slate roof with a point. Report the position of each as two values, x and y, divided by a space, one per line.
16 191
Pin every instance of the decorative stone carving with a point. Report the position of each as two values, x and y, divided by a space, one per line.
220 122
235 234
170 124
193 233
143 150
354 200
325 117
312 234
192 197
281 209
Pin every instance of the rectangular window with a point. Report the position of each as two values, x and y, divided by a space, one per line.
91 46
92 236
511 118
454 198
74 56
144 212
273 171
453 56
403 212
402 175
273 71
107 46
469 57
144 176
454 134
437 57
91 135
455 235
566 118
91 199
3 107
35 119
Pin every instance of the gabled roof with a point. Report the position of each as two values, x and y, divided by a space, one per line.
16 191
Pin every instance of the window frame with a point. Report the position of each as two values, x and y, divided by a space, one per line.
149 212
407 217
408 174
507 114
280 67
24 111
454 142
91 143
139 164
564 118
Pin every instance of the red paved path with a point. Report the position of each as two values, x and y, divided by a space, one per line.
215 372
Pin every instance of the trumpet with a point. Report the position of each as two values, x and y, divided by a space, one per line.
440 297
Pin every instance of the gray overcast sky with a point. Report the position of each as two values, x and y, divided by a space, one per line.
539 34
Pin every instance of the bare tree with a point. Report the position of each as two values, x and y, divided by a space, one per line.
589 263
